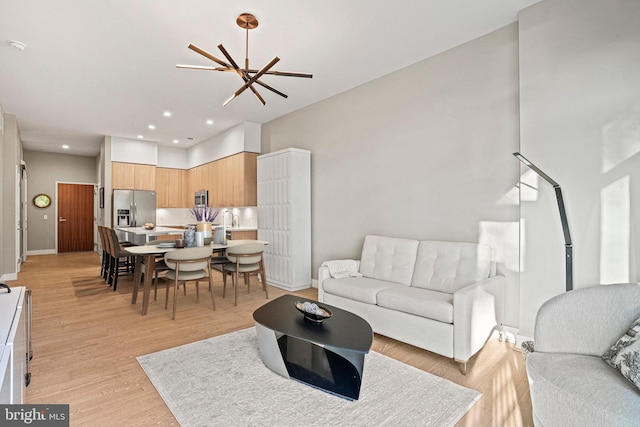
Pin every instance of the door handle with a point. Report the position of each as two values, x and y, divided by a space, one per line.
62 219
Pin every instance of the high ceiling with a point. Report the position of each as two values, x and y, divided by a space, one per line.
95 68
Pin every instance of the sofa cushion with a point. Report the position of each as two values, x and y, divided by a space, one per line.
624 355
388 258
580 390
450 266
363 289
421 302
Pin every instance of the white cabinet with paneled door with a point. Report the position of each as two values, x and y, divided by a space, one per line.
284 217
15 348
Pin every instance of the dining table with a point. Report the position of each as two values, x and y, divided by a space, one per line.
147 254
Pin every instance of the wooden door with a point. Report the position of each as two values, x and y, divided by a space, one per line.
75 217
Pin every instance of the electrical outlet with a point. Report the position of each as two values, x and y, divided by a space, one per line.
46 217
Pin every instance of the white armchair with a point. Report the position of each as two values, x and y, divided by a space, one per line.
570 383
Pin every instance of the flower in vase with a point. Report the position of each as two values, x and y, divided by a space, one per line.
204 213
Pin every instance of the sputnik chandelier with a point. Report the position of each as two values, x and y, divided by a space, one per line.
249 76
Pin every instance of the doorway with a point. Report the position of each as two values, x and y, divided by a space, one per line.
75 217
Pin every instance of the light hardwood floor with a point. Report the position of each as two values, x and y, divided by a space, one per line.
86 338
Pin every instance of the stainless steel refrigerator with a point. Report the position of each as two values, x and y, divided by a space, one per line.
133 208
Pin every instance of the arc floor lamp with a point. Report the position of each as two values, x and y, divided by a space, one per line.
568 246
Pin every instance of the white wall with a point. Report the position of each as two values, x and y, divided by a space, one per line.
10 159
132 151
580 123
422 153
175 158
243 137
45 170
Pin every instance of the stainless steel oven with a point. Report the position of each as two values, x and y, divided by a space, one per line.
201 198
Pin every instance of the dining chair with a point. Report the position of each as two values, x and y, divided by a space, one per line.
218 258
104 267
185 265
158 267
245 260
120 260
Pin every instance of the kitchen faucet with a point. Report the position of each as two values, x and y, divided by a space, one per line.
224 223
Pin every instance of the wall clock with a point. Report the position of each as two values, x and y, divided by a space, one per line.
41 201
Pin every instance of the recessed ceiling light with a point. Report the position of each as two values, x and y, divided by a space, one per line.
152 127
175 141
140 136
209 122
65 146
167 114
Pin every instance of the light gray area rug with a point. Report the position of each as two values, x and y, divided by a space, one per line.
222 381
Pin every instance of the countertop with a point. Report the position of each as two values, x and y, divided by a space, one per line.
214 226
156 230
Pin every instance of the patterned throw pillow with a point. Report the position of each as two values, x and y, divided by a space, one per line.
625 354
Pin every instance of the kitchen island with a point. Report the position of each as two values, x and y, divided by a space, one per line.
147 234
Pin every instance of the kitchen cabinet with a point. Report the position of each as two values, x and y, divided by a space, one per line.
243 234
122 175
234 180
145 177
231 181
170 188
133 176
198 179
15 349
284 217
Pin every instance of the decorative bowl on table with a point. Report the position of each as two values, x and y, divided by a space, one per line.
149 226
313 312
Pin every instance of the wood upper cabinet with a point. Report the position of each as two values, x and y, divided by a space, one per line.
122 176
170 188
145 177
231 181
250 188
133 176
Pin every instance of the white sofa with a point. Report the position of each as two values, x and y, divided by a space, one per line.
440 296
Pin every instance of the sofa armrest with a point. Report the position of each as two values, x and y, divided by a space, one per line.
323 274
477 310
587 320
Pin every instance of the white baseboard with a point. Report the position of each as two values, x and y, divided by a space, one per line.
43 252
9 277
510 334
314 283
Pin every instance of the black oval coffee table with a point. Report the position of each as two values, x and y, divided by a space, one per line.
327 355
